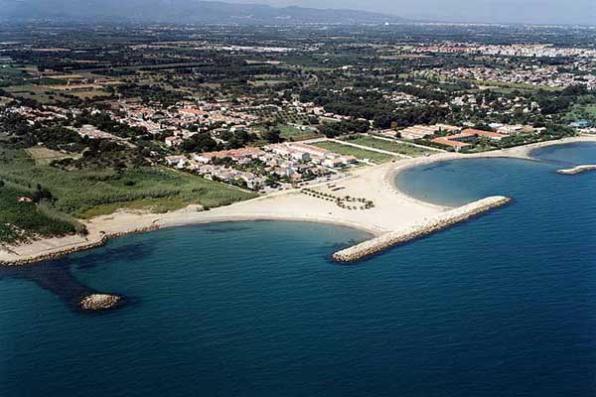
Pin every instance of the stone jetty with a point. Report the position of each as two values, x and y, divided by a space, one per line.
578 170
439 222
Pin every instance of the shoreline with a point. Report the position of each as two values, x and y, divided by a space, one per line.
394 209
441 222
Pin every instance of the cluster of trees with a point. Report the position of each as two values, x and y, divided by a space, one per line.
201 142
559 102
150 93
358 104
331 130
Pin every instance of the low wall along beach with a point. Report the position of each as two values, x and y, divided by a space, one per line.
432 225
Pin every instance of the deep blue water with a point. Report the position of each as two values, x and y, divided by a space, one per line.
504 305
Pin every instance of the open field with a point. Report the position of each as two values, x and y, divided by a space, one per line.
44 156
292 133
360 154
49 94
504 87
88 193
395 147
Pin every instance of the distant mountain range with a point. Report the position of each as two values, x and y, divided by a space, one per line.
181 11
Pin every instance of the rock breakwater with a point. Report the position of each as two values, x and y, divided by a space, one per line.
578 170
93 243
432 225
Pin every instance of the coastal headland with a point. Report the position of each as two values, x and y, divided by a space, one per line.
389 215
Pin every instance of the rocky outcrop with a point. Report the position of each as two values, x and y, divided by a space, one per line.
99 302
578 170
435 224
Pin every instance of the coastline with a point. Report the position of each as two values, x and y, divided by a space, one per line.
394 210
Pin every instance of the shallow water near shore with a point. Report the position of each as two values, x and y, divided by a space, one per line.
502 305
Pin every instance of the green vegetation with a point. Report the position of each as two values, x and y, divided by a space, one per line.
582 112
19 217
291 133
381 144
360 154
85 193
44 156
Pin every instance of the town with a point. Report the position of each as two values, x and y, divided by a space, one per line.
167 117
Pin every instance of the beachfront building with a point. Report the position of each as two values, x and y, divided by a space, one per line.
241 156
422 131
466 138
309 153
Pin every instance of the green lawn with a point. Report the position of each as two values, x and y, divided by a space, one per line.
92 192
360 154
390 146
292 133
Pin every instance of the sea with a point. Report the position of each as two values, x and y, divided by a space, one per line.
502 305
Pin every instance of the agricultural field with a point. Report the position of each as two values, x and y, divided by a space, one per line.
360 154
38 93
92 192
10 75
394 147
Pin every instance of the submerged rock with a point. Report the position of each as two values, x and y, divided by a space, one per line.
99 302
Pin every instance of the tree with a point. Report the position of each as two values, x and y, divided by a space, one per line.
273 135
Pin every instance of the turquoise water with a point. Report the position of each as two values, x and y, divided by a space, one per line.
504 305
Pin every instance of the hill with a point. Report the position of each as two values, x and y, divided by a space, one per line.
180 12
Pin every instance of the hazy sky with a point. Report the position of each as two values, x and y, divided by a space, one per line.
512 11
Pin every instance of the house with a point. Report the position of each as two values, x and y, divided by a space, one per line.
173 141
453 144
242 155
422 131
177 161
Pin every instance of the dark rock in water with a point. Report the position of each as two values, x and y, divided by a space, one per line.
99 302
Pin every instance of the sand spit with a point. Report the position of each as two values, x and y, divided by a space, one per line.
435 224
578 170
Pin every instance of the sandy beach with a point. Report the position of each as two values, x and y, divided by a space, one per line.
393 210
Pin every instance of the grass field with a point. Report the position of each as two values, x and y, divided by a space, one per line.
292 133
88 193
360 154
44 156
394 147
